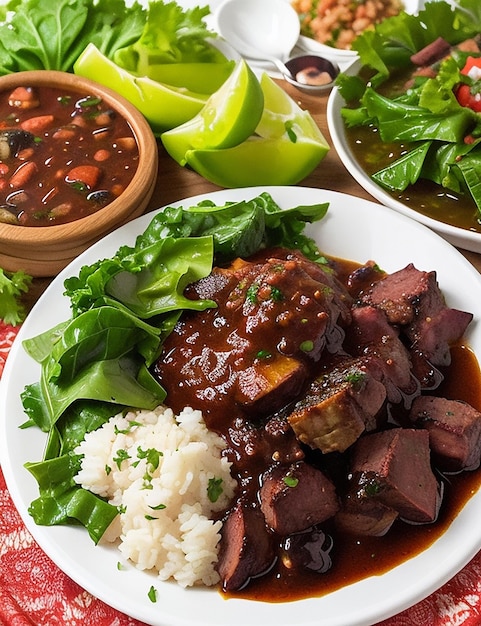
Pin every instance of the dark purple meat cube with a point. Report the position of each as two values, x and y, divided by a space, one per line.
363 515
338 407
246 549
296 497
433 333
371 334
394 467
401 294
412 299
454 431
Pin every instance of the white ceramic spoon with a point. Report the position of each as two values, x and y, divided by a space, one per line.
268 30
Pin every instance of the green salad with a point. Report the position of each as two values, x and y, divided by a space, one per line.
35 34
429 112
96 364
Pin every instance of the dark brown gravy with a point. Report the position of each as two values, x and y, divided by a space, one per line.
355 558
424 197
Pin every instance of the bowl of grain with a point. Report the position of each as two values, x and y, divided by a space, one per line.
329 27
77 160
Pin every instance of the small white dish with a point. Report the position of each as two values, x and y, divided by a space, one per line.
353 229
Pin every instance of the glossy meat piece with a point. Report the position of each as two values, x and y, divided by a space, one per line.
434 332
275 317
431 53
250 445
370 334
360 514
296 497
363 277
339 406
454 431
394 467
246 549
403 293
412 299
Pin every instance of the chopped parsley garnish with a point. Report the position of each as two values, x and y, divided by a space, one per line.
152 455
251 294
122 455
291 481
152 595
276 294
214 489
124 431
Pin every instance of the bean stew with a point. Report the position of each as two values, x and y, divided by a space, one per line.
63 155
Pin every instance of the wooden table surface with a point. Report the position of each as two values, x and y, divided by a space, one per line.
176 183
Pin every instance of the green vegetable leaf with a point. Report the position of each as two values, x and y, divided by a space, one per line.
214 489
40 35
61 501
183 38
12 286
398 121
404 171
470 168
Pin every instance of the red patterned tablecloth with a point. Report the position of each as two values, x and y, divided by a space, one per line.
35 592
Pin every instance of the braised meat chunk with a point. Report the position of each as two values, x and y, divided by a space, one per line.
394 467
338 407
454 431
275 316
371 334
413 300
362 515
246 549
295 497
316 376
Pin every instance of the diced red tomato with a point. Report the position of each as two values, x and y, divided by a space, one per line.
7 335
467 99
471 62
470 95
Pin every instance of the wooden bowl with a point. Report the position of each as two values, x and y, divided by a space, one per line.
45 250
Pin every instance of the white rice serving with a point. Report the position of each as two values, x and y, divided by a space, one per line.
157 468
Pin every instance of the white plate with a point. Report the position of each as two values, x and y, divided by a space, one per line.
463 238
354 228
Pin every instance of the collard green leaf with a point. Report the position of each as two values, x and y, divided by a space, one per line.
404 171
470 168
